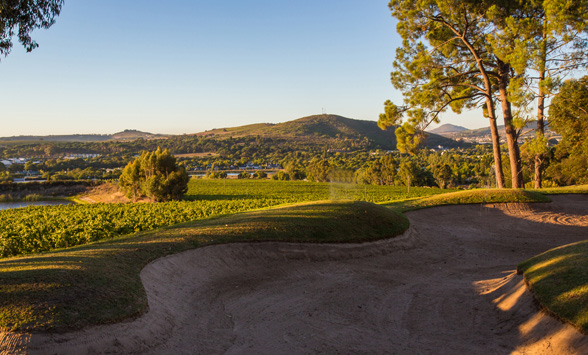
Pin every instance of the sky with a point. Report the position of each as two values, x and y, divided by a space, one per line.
186 66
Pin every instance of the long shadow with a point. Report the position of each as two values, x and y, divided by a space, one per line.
505 238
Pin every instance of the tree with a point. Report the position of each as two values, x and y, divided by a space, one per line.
443 175
408 172
21 17
156 176
568 115
216 175
540 41
131 179
294 169
477 52
451 72
29 165
260 175
50 150
380 172
281 175
16 168
318 170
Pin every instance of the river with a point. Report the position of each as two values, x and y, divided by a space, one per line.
7 205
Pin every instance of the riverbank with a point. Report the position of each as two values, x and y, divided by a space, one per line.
46 190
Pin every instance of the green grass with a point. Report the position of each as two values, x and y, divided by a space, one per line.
559 280
299 191
470 197
99 283
577 189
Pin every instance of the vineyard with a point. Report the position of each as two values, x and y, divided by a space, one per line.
42 228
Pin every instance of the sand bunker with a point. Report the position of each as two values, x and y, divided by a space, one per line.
447 286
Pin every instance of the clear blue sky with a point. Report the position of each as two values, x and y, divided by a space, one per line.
185 66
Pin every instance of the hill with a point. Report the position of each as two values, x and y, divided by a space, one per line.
447 128
126 135
324 128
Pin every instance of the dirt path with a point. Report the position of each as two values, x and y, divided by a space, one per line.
446 287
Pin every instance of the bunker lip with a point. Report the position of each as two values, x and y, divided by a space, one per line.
447 286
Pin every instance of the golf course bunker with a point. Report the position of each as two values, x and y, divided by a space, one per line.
447 286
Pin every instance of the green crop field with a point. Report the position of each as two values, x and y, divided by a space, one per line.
42 228
300 191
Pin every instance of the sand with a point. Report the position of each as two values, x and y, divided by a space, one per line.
447 286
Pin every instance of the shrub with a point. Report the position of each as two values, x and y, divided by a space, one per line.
260 175
155 175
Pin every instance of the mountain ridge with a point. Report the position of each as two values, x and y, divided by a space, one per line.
325 126
324 130
126 135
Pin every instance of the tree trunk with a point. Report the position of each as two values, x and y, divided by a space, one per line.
540 131
539 134
511 134
495 144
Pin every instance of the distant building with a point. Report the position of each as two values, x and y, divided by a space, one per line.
83 156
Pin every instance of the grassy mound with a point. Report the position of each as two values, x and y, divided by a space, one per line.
559 280
472 196
575 189
99 283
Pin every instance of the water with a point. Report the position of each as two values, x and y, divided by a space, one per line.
7 205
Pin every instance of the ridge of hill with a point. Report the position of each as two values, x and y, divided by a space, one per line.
325 127
316 131
448 128
126 135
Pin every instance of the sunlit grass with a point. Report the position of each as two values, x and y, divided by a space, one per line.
298 191
576 189
470 197
559 280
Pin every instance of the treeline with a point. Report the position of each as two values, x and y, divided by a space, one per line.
471 167
230 147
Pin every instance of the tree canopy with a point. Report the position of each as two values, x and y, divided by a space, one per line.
568 115
21 17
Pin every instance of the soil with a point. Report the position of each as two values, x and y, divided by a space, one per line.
447 286
106 193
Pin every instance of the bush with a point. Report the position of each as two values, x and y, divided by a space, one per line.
156 176
216 175
280 175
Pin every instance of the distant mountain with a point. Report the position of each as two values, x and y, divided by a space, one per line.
447 128
132 134
483 135
126 135
325 127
